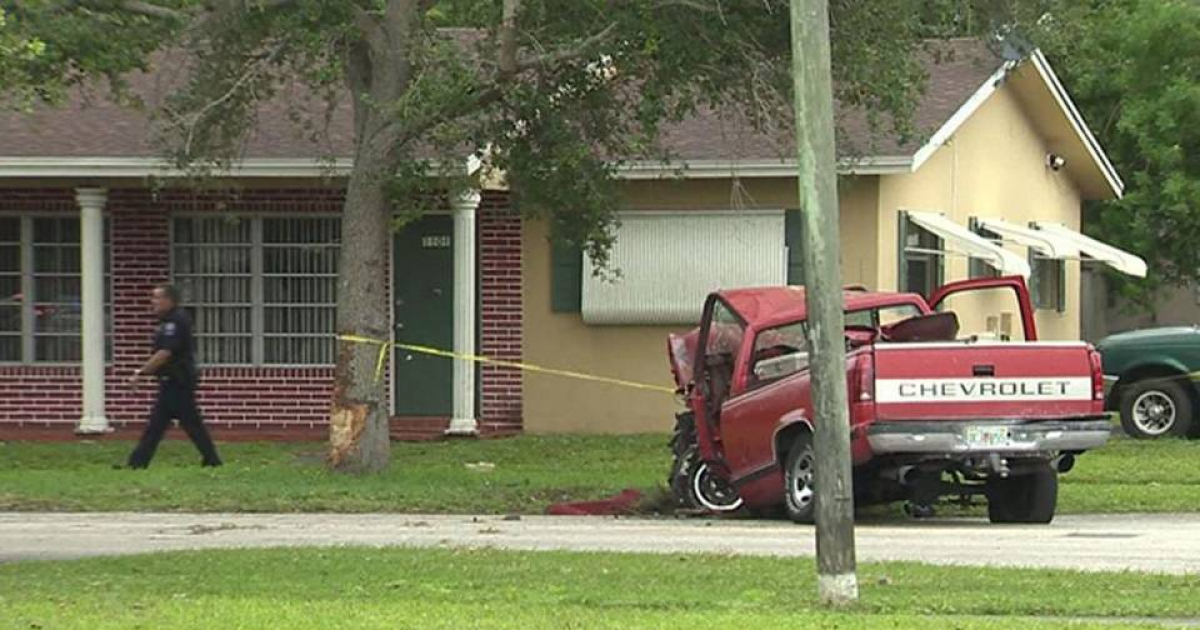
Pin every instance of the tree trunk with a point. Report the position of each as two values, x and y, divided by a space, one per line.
358 423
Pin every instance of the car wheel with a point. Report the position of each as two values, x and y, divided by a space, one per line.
695 487
711 492
1156 408
799 493
1028 498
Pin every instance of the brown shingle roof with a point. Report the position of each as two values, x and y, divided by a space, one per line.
93 126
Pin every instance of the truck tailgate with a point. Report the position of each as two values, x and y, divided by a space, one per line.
983 380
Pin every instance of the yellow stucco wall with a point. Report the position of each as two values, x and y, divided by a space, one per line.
557 405
993 168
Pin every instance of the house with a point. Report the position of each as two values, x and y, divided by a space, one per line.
89 216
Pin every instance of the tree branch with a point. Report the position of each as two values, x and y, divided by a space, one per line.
507 55
567 54
250 71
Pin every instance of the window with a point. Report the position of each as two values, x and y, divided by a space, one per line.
921 260
10 289
40 287
885 316
300 289
260 290
1047 283
721 347
668 263
977 267
778 352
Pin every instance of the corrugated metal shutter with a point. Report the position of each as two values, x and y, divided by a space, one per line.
669 262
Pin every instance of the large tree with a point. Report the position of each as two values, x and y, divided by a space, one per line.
556 93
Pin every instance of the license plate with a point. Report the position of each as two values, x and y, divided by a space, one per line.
987 437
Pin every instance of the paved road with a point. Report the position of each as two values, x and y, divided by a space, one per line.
1158 543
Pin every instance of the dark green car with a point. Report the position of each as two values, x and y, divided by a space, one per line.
1148 377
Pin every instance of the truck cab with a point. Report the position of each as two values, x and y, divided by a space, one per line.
933 413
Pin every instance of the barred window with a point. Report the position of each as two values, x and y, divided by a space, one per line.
260 290
40 289
10 289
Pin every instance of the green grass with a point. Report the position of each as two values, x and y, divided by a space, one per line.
529 473
439 588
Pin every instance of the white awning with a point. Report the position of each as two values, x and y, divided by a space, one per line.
1043 242
967 242
1118 259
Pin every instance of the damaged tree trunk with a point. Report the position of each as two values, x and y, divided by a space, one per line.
358 423
377 71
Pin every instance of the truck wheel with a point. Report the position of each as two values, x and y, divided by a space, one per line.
711 492
1029 498
1154 408
799 498
695 487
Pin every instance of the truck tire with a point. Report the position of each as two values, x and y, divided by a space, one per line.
683 459
1029 498
1155 408
799 499
691 481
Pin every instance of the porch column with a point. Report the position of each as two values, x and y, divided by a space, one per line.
465 209
91 260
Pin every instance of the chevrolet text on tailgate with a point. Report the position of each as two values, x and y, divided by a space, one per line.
932 415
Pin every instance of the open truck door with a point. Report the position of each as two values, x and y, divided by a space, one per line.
1014 283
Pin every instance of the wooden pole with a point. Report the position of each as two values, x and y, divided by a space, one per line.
837 582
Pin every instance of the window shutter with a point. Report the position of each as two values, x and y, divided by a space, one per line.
902 263
976 267
1062 286
793 232
1035 280
566 278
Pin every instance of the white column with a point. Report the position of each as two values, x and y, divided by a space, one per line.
91 257
465 209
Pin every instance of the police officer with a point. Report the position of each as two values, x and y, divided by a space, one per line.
174 364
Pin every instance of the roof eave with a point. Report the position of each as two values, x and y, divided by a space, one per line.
150 167
1099 158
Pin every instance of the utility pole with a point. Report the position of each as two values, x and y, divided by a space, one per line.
837 582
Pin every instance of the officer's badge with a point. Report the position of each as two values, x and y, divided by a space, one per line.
169 328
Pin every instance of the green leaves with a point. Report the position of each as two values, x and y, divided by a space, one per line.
1131 66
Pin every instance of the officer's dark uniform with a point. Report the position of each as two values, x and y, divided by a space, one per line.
176 393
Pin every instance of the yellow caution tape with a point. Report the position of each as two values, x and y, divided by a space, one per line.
385 345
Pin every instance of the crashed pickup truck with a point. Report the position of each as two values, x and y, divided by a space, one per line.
932 415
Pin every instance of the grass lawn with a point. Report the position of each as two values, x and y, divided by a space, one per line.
529 473
438 588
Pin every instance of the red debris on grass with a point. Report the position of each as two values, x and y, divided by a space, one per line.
624 503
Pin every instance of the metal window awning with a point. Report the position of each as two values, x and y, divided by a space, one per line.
1118 259
967 242
1043 242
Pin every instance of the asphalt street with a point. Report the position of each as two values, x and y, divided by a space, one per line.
1153 543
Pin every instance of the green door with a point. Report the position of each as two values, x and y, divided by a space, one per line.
423 264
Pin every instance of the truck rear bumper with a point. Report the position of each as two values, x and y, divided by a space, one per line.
989 436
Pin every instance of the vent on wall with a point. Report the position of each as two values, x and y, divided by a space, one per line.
666 263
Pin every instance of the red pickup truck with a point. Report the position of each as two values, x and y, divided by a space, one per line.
932 415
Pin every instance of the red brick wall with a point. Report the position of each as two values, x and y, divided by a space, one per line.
501 313
251 402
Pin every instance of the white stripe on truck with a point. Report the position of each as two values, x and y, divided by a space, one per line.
937 390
